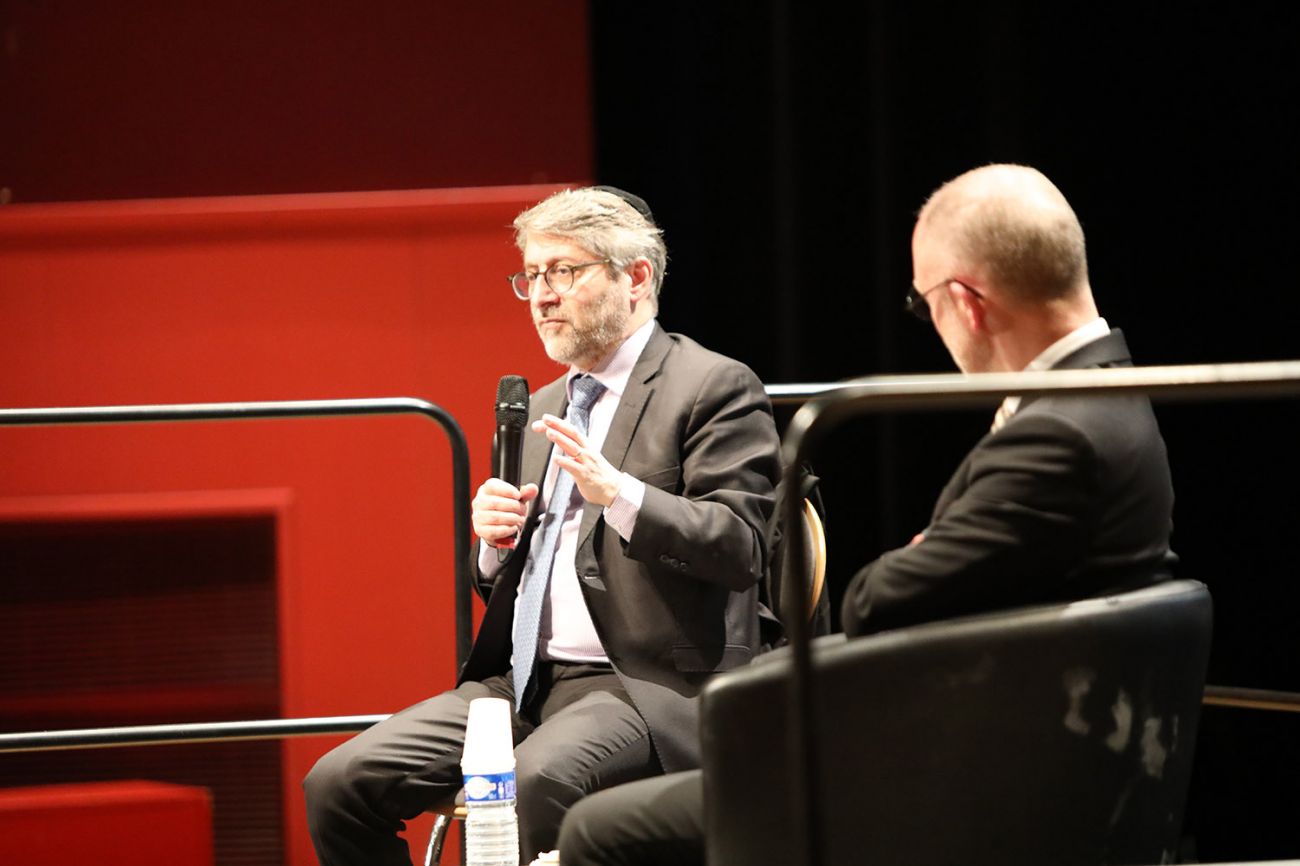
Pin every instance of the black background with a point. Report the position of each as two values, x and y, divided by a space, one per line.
785 149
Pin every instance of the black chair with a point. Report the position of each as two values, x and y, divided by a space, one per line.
1058 734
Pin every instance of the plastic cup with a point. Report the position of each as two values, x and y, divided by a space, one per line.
489 745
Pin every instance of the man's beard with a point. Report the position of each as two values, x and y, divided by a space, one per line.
591 334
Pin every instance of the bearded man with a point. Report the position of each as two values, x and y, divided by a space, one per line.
637 546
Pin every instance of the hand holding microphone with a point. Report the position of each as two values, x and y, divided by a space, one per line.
499 511
500 506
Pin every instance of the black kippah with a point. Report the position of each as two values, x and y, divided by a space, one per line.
638 203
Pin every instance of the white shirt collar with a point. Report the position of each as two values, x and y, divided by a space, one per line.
614 371
1067 345
1059 351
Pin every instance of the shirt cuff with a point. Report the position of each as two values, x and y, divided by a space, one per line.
622 512
488 561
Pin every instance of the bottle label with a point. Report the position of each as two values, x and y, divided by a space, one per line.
490 787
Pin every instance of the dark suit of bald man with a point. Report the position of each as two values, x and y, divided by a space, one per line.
1070 499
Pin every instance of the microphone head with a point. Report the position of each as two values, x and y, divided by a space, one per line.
512 402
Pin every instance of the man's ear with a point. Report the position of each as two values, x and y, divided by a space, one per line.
970 307
642 275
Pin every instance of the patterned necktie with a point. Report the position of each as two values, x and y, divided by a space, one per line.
528 607
1003 415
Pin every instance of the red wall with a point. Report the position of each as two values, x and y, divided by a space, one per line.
265 298
155 98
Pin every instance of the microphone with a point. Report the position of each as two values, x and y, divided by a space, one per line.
508 444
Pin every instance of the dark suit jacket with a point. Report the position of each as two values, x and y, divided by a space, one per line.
1070 499
678 601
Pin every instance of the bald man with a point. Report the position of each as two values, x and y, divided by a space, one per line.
1064 498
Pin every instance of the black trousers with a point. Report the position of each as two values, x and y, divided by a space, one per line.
578 733
653 821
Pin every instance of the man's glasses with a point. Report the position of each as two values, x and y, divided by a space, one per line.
559 277
915 302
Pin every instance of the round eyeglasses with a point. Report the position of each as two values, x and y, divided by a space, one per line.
559 278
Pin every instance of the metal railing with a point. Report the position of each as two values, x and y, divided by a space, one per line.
825 407
829 406
278 729
305 409
189 732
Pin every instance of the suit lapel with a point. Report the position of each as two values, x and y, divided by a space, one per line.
627 418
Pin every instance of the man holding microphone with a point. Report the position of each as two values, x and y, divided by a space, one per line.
637 539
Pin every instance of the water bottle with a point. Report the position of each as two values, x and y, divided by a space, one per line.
488 765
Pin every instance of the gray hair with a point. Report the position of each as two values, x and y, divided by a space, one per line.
601 222
1012 221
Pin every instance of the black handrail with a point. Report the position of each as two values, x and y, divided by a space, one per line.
825 407
1251 699
306 409
189 732
274 729
831 405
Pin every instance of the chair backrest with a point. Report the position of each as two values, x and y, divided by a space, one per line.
817 604
1057 734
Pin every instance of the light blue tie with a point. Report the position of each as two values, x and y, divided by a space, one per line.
528 607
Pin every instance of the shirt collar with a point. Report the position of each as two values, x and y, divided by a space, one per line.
1059 351
1067 345
614 371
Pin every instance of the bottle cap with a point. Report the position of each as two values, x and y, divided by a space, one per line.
489 746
